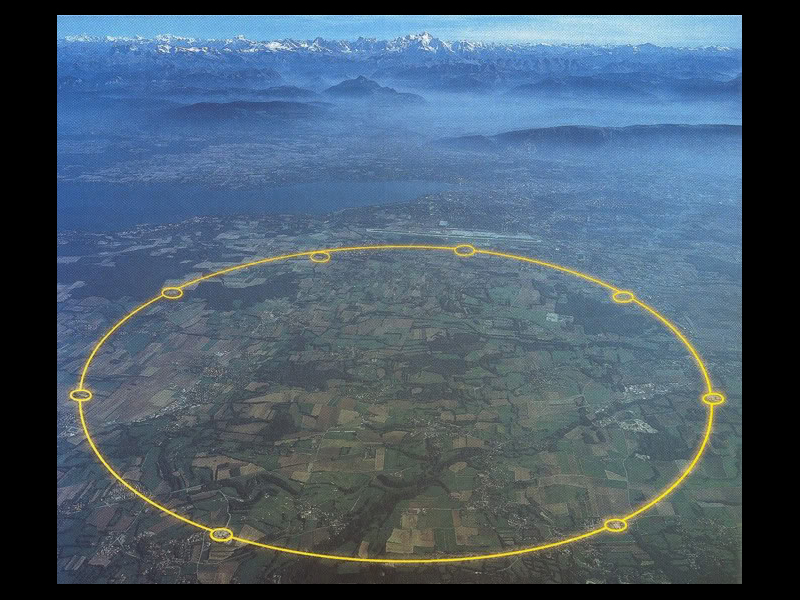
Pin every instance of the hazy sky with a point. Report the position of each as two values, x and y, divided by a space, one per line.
669 30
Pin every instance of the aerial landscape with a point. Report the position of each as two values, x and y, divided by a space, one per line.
340 303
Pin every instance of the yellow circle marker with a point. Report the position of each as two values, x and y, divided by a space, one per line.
614 525
464 250
713 398
221 534
171 293
80 395
623 297
320 257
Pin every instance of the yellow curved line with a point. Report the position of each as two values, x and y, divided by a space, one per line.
570 540
682 338
108 334
552 266
119 478
683 475
407 561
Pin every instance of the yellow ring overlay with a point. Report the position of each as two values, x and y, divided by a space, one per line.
172 293
320 257
80 395
227 534
614 525
623 297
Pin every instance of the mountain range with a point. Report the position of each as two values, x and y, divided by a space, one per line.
363 88
422 44
630 86
225 111
586 137
418 60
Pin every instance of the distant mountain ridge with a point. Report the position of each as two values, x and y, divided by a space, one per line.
363 88
413 43
224 111
421 59
582 136
630 86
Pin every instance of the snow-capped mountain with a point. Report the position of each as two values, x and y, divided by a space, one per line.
422 60
367 47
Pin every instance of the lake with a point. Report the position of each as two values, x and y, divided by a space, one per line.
115 207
